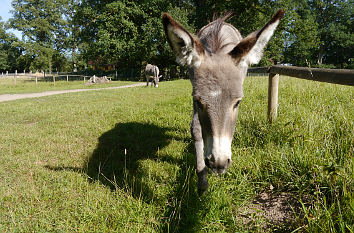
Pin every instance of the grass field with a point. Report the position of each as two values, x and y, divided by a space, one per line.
122 161
28 85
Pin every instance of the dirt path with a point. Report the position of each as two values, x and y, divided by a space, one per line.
9 97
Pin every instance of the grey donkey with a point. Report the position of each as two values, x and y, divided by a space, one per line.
152 72
218 59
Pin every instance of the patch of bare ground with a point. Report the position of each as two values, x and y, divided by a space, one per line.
272 212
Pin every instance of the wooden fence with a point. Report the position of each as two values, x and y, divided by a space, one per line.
43 76
336 76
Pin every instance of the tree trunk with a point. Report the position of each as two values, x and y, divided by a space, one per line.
320 56
173 72
73 56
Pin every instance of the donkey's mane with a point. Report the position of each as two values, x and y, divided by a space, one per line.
211 35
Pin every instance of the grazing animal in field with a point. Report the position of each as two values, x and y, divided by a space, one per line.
218 59
152 72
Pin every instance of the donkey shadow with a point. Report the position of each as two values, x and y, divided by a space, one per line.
115 161
115 164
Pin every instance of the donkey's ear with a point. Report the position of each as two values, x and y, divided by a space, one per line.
188 49
250 49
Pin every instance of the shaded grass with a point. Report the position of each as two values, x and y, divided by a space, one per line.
122 160
28 85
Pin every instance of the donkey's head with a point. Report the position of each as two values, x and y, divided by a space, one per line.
155 80
218 60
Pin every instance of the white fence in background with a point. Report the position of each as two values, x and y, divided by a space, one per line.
41 75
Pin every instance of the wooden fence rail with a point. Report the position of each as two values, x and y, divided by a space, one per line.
336 76
37 76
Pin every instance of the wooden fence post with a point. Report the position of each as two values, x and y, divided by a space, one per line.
15 76
335 76
67 78
273 96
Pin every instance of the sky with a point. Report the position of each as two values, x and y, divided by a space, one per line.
5 7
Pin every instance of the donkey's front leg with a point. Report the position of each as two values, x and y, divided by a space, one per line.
147 80
202 170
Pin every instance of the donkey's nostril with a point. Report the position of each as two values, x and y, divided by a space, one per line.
228 161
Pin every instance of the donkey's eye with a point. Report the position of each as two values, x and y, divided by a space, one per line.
237 103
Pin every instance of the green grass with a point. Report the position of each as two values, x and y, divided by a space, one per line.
122 160
28 85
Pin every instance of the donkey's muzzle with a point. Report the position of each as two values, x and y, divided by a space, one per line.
217 165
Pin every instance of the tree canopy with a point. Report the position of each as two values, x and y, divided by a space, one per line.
122 35
43 26
9 52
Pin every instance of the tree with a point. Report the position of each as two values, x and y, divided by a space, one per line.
336 31
109 32
125 34
9 53
302 36
42 25
319 31
71 33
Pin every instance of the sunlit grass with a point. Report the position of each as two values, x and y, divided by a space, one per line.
122 160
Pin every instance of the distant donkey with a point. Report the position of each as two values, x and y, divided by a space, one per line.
152 72
218 60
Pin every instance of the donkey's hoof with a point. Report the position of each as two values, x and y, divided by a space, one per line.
202 187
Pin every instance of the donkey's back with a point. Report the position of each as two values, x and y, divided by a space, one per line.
151 70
